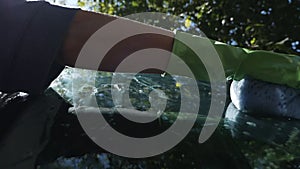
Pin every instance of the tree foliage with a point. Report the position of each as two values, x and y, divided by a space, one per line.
256 24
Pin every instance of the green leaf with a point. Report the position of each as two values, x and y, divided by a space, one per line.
187 23
253 40
81 4
135 4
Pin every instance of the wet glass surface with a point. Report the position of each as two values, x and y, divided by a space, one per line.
240 141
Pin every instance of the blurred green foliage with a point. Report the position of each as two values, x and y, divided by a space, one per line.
255 24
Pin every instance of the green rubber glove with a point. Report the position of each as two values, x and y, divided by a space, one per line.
239 62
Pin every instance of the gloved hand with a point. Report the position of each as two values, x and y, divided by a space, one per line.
238 62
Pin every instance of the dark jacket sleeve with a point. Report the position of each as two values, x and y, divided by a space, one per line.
32 34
